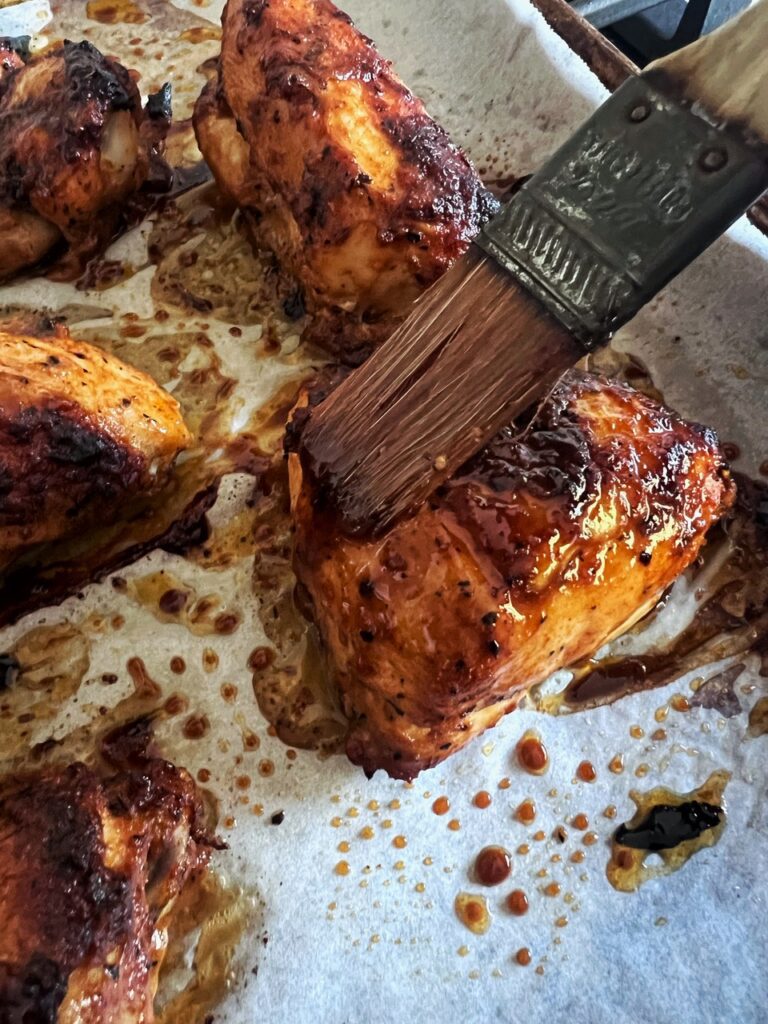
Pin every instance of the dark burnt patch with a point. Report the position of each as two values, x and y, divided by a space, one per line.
76 906
56 462
91 76
49 579
31 992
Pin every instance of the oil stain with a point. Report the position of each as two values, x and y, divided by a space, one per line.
209 919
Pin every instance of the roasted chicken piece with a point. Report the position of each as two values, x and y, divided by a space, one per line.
540 549
344 176
80 432
74 145
89 870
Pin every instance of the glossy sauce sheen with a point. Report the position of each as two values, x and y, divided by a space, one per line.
541 548
493 865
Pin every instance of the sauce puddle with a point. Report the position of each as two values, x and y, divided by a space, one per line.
674 826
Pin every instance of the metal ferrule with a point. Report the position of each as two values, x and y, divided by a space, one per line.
628 202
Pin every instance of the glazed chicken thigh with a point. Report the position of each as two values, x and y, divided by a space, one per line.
541 548
342 173
80 432
74 145
89 869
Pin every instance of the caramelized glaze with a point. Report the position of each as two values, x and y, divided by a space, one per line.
545 545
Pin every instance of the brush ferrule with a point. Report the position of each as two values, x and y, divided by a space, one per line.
629 201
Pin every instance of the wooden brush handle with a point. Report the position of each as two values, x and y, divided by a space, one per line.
726 72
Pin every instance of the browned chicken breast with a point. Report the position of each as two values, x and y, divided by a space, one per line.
539 550
89 869
74 144
360 194
80 431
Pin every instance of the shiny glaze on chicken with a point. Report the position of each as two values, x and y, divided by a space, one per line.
74 145
80 432
89 869
539 550
360 194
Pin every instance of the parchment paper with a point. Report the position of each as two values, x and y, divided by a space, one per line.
382 943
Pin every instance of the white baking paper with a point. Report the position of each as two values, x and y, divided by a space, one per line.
382 944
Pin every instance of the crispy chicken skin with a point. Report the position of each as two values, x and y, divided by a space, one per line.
89 869
74 145
539 550
359 193
80 432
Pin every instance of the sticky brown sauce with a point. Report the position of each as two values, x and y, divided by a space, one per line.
209 919
758 718
206 264
49 664
170 600
673 826
110 12
291 680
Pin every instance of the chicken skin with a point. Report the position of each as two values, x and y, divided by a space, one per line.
80 432
89 870
342 173
74 145
539 550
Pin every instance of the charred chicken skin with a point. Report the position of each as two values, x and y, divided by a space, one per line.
74 145
344 176
540 549
89 870
80 432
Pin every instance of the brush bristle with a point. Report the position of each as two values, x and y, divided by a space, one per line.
476 351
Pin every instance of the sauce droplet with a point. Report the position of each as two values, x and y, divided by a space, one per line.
454 825
493 865
482 799
616 764
442 805
400 842
342 868
523 956
532 754
473 912
196 726
586 772
526 812
517 902
581 822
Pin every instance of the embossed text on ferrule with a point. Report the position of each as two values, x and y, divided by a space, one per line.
598 176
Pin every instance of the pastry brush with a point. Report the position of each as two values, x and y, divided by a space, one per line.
659 172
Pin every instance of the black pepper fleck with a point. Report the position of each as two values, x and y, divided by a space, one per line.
9 670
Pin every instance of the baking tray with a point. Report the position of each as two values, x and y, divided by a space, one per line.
335 898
